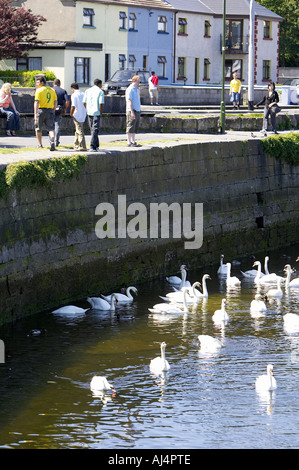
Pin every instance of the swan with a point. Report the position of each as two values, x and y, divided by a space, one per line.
253 272
209 344
267 278
204 293
276 292
267 381
221 315
294 282
231 281
160 363
175 280
100 384
291 320
178 296
70 309
171 307
101 304
258 305
223 267
122 298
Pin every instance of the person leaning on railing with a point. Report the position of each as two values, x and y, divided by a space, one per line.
7 107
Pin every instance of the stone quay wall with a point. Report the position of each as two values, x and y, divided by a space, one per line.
50 254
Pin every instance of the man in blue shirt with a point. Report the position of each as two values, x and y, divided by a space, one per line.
93 101
133 111
62 105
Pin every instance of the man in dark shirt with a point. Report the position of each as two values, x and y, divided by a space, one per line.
62 105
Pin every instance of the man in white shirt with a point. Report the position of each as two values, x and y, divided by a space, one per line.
93 101
78 113
133 107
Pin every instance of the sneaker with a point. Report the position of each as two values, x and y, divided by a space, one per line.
40 146
52 148
8 133
94 150
135 145
81 149
130 144
13 133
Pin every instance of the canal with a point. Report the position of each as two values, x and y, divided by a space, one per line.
205 400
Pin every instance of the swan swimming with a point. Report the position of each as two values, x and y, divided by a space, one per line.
160 363
100 384
276 292
289 283
171 307
222 270
178 296
291 320
231 281
267 278
204 293
209 344
175 280
122 298
258 305
267 381
70 309
221 315
252 273
101 304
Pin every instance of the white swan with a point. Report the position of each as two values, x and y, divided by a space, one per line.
222 270
160 363
231 281
100 384
289 283
258 305
291 320
122 298
70 309
172 307
252 273
178 296
276 292
101 304
221 315
181 282
267 278
204 294
266 382
209 344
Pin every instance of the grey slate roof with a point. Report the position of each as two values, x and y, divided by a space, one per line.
149 4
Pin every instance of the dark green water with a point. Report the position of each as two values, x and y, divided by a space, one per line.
203 401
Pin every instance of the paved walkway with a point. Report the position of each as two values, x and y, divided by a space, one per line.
108 142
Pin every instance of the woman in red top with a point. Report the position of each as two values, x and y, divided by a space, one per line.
8 108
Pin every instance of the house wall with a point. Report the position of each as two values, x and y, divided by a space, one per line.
267 49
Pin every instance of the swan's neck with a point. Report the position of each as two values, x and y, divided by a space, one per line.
204 287
266 266
228 271
185 301
163 353
259 270
128 293
288 278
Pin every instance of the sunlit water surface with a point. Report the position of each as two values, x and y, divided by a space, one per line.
203 401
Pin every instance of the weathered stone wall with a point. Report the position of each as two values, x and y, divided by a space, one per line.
50 255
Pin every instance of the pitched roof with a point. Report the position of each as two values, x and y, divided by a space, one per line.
194 6
239 8
149 4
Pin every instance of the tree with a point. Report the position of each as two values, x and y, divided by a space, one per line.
19 29
289 27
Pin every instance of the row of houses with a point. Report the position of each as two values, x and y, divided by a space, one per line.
181 40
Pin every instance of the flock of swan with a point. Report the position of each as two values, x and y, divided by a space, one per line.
184 295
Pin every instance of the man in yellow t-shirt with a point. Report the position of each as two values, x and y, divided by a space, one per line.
45 102
235 90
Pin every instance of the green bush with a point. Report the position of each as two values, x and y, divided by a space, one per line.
24 78
283 147
40 172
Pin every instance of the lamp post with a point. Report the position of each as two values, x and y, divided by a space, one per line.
251 57
222 105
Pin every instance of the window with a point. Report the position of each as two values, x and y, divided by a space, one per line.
232 66
234 34
88 14
207 29
182 29
196 71
162 24
206 69
161 66
267 29
122 20
132 21
266 69
29 63
82 70
122 61
181 67
132 60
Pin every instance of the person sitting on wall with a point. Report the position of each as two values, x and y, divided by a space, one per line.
7 107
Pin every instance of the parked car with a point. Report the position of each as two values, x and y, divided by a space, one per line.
121 79
291 82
